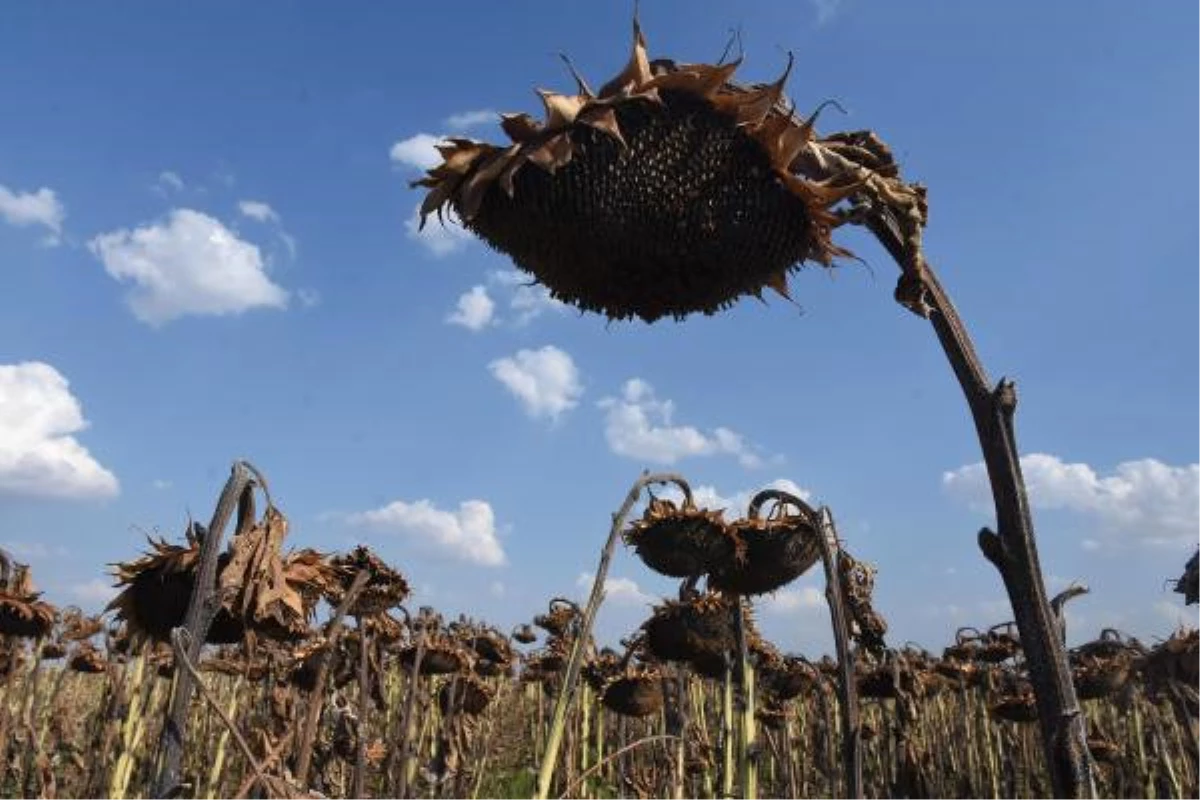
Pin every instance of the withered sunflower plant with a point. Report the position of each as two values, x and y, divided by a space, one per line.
673 189
22 613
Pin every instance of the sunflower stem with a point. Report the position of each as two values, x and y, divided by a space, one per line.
202 607
1012 549
847 689
567 689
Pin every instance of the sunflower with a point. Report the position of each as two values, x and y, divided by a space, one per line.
386 587
22 614
670 191
681 541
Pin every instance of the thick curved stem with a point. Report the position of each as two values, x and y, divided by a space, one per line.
1013 549
566 691
780 496
202 607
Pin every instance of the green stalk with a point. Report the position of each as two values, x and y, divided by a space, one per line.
747 764
567 689
727 732
119 781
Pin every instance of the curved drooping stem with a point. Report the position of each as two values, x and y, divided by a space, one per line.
203 606
584 632
780 496
1012 549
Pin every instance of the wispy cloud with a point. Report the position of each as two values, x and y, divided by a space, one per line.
466 120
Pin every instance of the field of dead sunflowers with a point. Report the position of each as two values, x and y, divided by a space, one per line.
296 673
230 666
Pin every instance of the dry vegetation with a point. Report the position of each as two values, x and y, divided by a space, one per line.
245 670
695 703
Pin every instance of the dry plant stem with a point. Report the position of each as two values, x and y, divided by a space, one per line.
1012 549
312 715
847 687
665 737
364 684
747 765
201 609
178 637
567 689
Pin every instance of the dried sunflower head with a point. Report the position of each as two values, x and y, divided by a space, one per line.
22 614
635 692
386 587
775 551
681 541
696 629
672 190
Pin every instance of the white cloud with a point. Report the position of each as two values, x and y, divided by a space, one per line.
170 180
417 151
468 534
526 300
638 425
441 237
471 119
160 484
621 591
38 454
792 600
545 381
497 589
474 310
1145 500
258 210
95 592
188 264
33 208
735 505
1175 614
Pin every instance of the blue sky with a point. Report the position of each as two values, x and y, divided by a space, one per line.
206 253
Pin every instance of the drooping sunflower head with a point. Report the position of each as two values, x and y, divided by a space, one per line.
681 541
22 614
386 587
670 191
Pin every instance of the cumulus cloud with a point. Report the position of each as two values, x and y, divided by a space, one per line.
1144 500
527 300
640 426
621 591
468 534
474 310
545 381
471 119
39 456
33 208
521 299
418 151
188 263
